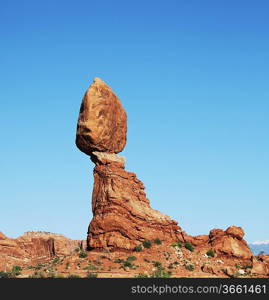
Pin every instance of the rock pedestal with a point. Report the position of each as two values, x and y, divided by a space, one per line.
122 216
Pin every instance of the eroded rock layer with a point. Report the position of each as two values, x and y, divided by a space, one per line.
34 247
122 216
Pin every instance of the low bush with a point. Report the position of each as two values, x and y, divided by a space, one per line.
90 267
160 274
82 254
177 244
190 267
157 241
131 258
147 244
16 270
189 246
138 248
128 264
210 253
158 264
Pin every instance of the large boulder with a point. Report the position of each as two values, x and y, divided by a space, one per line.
260 268
230 242
102 122
236 232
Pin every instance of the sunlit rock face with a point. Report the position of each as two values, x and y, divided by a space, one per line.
122 216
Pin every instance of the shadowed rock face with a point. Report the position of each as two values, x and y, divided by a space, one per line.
122 216
102 122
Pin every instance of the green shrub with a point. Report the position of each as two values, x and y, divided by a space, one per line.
190 267
189 246
118 261
238 266
56 260
177 244
138 248
131 258
128 264
91 275
82 254
16 270
157 241
160 274
210 252
90 267
147 244
158 264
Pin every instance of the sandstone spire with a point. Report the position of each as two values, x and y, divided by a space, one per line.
122 216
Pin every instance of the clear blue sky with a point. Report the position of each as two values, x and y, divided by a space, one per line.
193 78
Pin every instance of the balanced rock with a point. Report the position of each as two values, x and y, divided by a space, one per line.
102 122
122 216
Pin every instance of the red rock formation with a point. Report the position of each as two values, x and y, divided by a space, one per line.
102 123
33 248
236 232
122 216
198 240
230 242
260 268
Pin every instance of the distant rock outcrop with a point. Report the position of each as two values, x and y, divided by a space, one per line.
34 247
230 242
122 216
